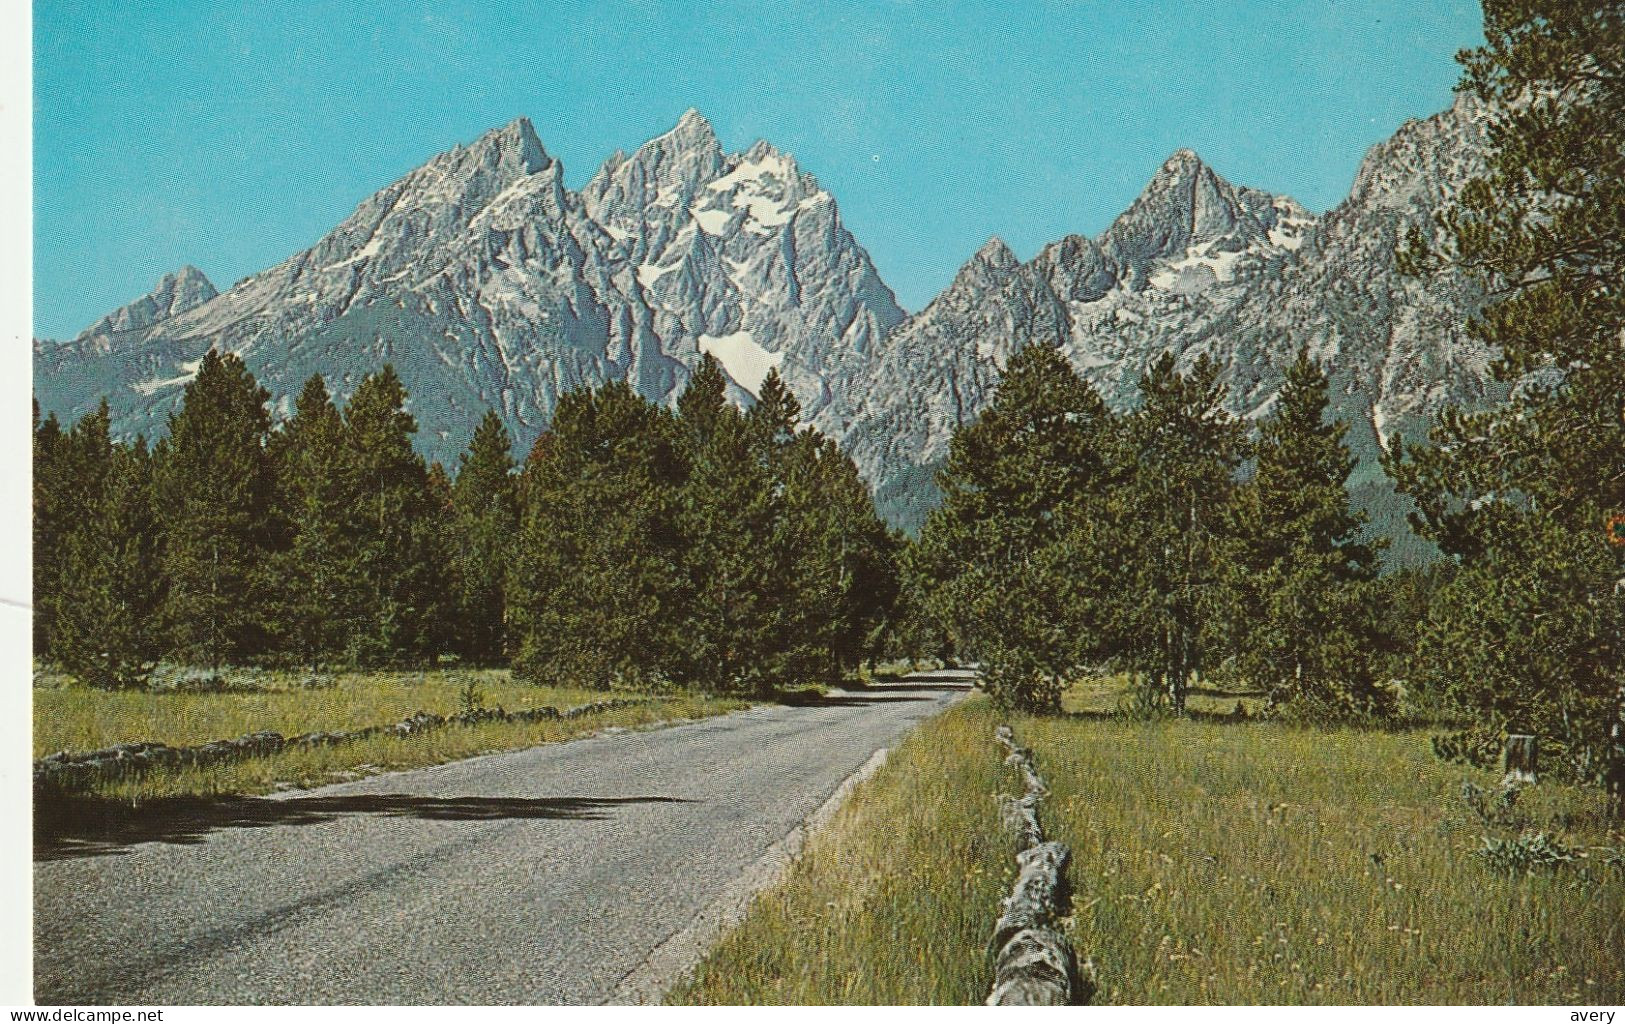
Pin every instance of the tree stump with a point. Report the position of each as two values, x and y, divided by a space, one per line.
1519 757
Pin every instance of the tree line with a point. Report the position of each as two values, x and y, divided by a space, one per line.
1165 543
703 547
710 547
1071 536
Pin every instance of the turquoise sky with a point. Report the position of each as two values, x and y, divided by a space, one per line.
230 136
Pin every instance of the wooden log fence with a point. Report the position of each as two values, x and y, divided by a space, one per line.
69 772
1033 963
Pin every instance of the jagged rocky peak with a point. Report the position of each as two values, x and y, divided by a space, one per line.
176 293
1187 206
517 141
996 256
424 210
664 171
498 158
991 266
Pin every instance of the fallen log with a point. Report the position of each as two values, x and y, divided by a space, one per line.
66 772
1033 963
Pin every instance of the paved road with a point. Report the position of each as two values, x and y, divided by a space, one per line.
538 876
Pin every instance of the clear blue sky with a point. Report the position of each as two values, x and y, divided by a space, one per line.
232 135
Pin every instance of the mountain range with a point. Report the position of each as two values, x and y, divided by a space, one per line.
489 284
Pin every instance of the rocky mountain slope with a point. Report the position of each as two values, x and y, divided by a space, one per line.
1197 265
488 283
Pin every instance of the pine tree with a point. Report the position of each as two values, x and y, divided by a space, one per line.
1301 577
317 576
68 469
1529 634
843 563
1004 561
105 630
773 417
734 623
214 485
703 405
1180 454
402 574
599 572
484 525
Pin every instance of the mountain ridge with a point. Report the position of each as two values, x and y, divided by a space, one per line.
1199 266
490 283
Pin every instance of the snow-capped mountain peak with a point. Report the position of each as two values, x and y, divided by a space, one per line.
1197 265
489 284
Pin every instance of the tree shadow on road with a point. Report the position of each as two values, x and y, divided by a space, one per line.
926 681
860 699
70 827
926 685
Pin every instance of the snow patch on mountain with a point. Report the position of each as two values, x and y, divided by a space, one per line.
742 359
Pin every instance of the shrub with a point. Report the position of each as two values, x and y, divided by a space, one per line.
1526 854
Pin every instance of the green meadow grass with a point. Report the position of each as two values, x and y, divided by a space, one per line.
894 901
1213 863
79 719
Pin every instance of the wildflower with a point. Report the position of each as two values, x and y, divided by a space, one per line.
1615 529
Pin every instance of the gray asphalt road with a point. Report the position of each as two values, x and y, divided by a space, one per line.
538 876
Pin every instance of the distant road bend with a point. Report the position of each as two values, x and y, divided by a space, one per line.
540 876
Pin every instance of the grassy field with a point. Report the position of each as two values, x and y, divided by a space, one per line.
1215 862
74 718
894 902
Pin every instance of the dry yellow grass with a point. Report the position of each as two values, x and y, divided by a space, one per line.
76 718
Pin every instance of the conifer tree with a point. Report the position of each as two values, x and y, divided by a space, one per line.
69 469
1181 450
47 525
484 527
703 404
105 629
1301 577
599 571
213 487
842 572
1527 635
773 417
1002 561
734 618
401 571
318 575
